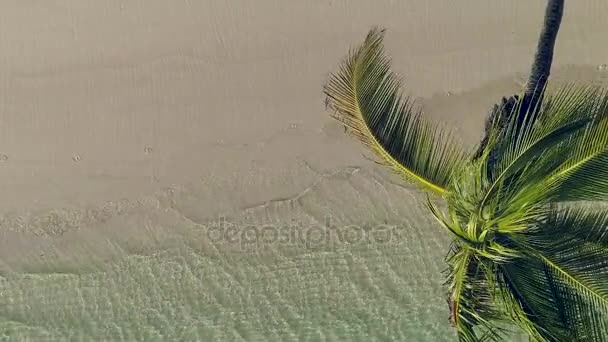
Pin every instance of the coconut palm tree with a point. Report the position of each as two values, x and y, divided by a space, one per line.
525 250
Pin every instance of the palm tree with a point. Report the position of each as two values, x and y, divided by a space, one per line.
525 250
539 74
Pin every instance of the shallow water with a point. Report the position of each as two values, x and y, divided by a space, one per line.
369 272
189 283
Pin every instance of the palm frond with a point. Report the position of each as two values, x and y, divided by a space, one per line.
585 222
470 280
560 118
536 163
473 312
583 177
365 96
533 306
564 282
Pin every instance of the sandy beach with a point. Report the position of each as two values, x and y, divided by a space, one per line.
129 129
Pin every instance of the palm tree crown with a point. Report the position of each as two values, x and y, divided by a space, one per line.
524 249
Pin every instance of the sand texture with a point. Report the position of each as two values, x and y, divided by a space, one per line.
131 130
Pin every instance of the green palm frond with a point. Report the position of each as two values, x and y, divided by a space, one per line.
365 96
585 222
532 304
470 279
583 176
531 149
564 281
474 314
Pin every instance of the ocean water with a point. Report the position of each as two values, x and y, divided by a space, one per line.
353 258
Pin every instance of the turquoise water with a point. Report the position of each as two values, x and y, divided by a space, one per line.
165 277
365 295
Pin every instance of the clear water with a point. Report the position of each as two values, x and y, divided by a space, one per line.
176 281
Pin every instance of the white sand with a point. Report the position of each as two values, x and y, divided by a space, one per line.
128 125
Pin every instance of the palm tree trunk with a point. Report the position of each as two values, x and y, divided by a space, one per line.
541 67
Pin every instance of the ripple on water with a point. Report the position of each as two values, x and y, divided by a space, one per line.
215 291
